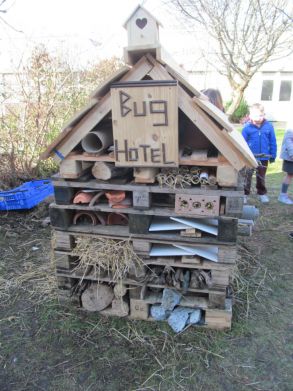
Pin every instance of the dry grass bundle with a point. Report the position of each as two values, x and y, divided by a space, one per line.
179 177
115 257
184 177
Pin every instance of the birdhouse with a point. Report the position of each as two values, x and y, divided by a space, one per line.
143 34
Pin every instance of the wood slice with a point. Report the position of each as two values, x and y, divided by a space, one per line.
105 171
97 297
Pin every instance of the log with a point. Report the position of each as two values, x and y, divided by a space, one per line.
97 297
106 171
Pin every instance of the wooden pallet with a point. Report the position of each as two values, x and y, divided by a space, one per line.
145 197
221 274
138 225
139 309
65 240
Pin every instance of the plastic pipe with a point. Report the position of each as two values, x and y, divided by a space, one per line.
97 141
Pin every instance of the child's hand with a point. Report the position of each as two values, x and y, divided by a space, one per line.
272 160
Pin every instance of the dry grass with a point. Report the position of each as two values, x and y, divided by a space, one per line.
115 257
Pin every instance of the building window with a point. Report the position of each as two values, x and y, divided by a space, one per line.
285 90
267 90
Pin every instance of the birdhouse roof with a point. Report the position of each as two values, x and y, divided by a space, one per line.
134 12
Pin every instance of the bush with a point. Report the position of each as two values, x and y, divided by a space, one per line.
45 94
241 112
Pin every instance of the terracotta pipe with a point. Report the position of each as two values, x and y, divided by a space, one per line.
89 215
115 196
117 219
83 197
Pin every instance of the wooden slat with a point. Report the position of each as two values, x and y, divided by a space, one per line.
104 87
216 113
94 184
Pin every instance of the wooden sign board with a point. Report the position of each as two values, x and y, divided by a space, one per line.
145 123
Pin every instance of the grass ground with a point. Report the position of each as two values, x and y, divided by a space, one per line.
46 346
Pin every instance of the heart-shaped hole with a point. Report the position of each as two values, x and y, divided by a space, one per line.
141 23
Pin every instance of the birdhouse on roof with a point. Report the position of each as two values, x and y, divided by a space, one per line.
143 34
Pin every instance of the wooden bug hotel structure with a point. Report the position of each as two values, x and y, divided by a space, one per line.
149 194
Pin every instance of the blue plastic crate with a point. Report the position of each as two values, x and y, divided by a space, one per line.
26 196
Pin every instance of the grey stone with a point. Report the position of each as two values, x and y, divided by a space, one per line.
179 318
158 312
170 299
195 317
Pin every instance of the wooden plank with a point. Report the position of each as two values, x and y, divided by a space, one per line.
94 184
215 113
209 265
90 157
103 207
209 162
227 253
183 160
139 309
141 199
219 319
234 206
62 240
145 124
96 114
104 87
67 128
238 140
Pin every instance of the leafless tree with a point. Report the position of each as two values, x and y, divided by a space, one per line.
246 33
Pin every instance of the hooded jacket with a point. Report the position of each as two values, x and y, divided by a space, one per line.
287 146
261 140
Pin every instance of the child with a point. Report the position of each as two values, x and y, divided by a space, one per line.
287 156
215 97
260 137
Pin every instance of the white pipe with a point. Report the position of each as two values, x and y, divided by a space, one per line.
97 141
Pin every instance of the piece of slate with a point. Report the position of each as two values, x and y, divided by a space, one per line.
165 250
165 224
158 312
208 252
200 224
170 299
179 318
195 317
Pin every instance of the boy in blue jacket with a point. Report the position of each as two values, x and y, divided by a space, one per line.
260 137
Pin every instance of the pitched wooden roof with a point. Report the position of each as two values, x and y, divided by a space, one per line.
206 117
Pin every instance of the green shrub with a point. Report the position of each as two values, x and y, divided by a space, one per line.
240 113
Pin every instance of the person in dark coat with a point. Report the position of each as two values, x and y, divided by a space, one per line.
261 139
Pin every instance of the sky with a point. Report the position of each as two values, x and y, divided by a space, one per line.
84 31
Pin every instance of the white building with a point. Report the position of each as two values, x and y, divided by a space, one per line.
272 86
